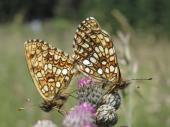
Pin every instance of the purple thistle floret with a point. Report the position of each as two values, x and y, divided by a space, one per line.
84 81
82 115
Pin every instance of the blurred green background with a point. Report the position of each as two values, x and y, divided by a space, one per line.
55 21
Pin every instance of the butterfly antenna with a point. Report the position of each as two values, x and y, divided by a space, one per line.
142 79
20 109
60 111
27 102
127 82
139 79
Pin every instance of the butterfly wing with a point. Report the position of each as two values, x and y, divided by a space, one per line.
51 69
94 51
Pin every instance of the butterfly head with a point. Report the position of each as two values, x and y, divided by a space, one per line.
123 84
57 103
47 106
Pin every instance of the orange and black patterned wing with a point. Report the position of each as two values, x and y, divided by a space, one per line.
51 69
94 52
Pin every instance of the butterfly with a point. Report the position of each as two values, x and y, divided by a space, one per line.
95 54
51 70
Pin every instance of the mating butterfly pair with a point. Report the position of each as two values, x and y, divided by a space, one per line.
52 69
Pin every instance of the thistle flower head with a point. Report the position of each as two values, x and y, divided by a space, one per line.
44 123
80 116
112 99
106 116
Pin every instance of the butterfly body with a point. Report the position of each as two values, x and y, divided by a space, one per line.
51 70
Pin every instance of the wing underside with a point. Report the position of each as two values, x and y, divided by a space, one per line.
51 69
94 52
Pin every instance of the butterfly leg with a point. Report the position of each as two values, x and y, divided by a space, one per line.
70 94
61 111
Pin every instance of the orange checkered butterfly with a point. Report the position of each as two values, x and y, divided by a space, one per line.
51 70
95 54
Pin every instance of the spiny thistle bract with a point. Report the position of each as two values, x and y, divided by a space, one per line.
112 99
89 91
106 116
